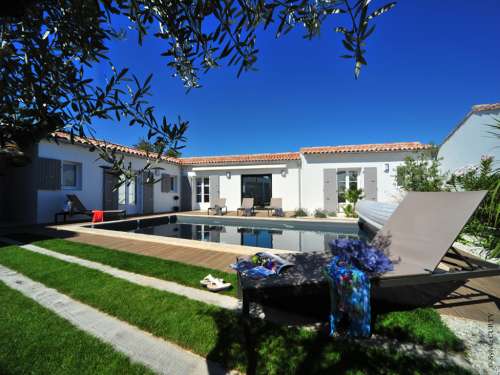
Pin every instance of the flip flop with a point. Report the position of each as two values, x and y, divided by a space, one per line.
218 285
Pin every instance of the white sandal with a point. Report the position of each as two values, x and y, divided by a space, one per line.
209 279
218 285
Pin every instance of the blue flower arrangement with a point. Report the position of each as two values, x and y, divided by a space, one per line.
365 257
349 274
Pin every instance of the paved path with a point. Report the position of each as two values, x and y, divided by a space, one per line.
219 300
140 346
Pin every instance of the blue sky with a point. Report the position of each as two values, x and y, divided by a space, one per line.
428 62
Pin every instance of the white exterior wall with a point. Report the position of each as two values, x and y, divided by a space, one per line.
286 187
91 192
469 142
313 166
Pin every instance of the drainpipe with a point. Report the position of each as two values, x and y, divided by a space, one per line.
300 183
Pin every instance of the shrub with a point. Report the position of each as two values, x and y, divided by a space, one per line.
320 213
332 213
349 210
484 224
353 195
300 212
420 174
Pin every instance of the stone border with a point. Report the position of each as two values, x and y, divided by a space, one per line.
140 346
219 300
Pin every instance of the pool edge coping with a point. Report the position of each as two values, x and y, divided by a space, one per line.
195 244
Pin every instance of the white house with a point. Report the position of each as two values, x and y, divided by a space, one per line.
471 139
312 178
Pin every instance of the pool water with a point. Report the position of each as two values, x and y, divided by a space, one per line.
276 234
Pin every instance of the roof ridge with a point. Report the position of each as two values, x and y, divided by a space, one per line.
369 144
485 107
238 155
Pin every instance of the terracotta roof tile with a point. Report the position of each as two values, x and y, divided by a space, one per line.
249 158
485 107
109 145
380 147
240 158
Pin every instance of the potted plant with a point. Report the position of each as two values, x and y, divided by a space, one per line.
176 208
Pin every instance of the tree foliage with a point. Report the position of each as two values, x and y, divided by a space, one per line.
47 48
485 222
420 173
157 147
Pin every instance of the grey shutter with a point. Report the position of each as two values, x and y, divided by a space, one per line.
147 193
109 193
214 188
330 197
49 174
370 183
186 194
165 183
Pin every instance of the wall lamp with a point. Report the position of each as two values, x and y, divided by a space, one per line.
283 173
386 168
228 175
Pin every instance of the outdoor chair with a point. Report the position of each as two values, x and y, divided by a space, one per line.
246 206
275 205
77 208
218 205
418 237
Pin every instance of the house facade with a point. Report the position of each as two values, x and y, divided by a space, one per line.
311 178
471 139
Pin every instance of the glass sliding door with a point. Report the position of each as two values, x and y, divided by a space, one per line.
258 187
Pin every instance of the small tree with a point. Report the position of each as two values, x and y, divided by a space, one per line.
352 196
420 173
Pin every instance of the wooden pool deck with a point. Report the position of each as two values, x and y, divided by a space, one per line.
478 299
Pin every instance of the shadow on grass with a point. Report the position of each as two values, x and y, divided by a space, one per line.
258 347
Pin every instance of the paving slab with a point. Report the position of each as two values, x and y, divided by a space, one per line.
140 346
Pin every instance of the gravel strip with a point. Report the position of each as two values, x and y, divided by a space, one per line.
482 342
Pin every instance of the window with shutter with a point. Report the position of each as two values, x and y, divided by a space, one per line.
165 183
49 174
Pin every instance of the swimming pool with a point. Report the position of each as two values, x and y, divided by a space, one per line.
290 235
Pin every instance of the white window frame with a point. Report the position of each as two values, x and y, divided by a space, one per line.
78 175
205 183
173 184
348 181
125 190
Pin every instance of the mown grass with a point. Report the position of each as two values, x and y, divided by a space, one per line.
213 332
34 340
421 325
181 273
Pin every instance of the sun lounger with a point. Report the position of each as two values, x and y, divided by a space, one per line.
77 208
218 205
275 204
418 237
246 205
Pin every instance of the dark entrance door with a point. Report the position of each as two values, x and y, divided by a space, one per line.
257 186
110 194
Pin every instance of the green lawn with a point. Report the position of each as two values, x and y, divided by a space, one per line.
33 340
218 334
181 273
